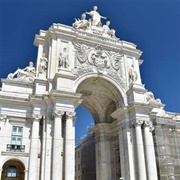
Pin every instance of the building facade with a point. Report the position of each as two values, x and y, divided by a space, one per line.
85 158
87 65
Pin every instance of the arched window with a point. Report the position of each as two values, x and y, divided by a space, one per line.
11 171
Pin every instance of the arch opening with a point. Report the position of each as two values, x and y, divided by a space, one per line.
13 169
101 98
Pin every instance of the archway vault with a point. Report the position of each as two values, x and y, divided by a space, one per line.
100 97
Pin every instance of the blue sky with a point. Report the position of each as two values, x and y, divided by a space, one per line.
153 25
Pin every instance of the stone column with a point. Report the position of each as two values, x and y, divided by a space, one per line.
48 146
25 174
57 161
69 146
122 151
141 166
43 140
1 173
103 157
34 147
3 118
149 151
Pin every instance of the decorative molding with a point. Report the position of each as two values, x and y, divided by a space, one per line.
97 60
36 117
138 123
58 113
3 117
148 124
71 115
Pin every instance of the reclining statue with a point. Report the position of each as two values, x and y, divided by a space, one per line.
26 74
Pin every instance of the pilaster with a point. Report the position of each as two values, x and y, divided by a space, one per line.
140 151
69 146
103 151
149 151
57 161
34 147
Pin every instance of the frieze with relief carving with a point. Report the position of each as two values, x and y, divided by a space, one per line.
96 59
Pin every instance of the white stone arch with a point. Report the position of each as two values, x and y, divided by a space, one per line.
112 91
121 90
16 159
18 163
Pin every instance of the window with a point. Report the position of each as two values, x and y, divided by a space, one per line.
16 138
11 171
78 167
78 154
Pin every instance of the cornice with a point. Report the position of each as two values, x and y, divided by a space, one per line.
116 114
14 100
60 30
64 95
25 83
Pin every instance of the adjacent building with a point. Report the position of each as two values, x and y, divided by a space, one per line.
85 167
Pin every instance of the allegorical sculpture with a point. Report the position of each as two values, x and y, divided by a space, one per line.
150 98
81 23
95 19
63 59
94 23
109 32
43 64
132 74
26 74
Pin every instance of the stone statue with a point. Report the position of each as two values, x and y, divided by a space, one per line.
132 74
83 23
63 59
43 64
95 19
26 74
150 97
109 32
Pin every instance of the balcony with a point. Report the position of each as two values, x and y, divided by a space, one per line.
17 148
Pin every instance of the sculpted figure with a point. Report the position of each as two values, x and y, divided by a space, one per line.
63 59
150 98
83 23
95 19
43 64
27 74
109 32
132 74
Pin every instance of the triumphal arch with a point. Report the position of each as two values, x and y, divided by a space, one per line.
83 64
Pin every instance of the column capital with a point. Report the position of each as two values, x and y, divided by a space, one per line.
122 125
71 114
138 123
58 113
3 117
148 124
36 117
